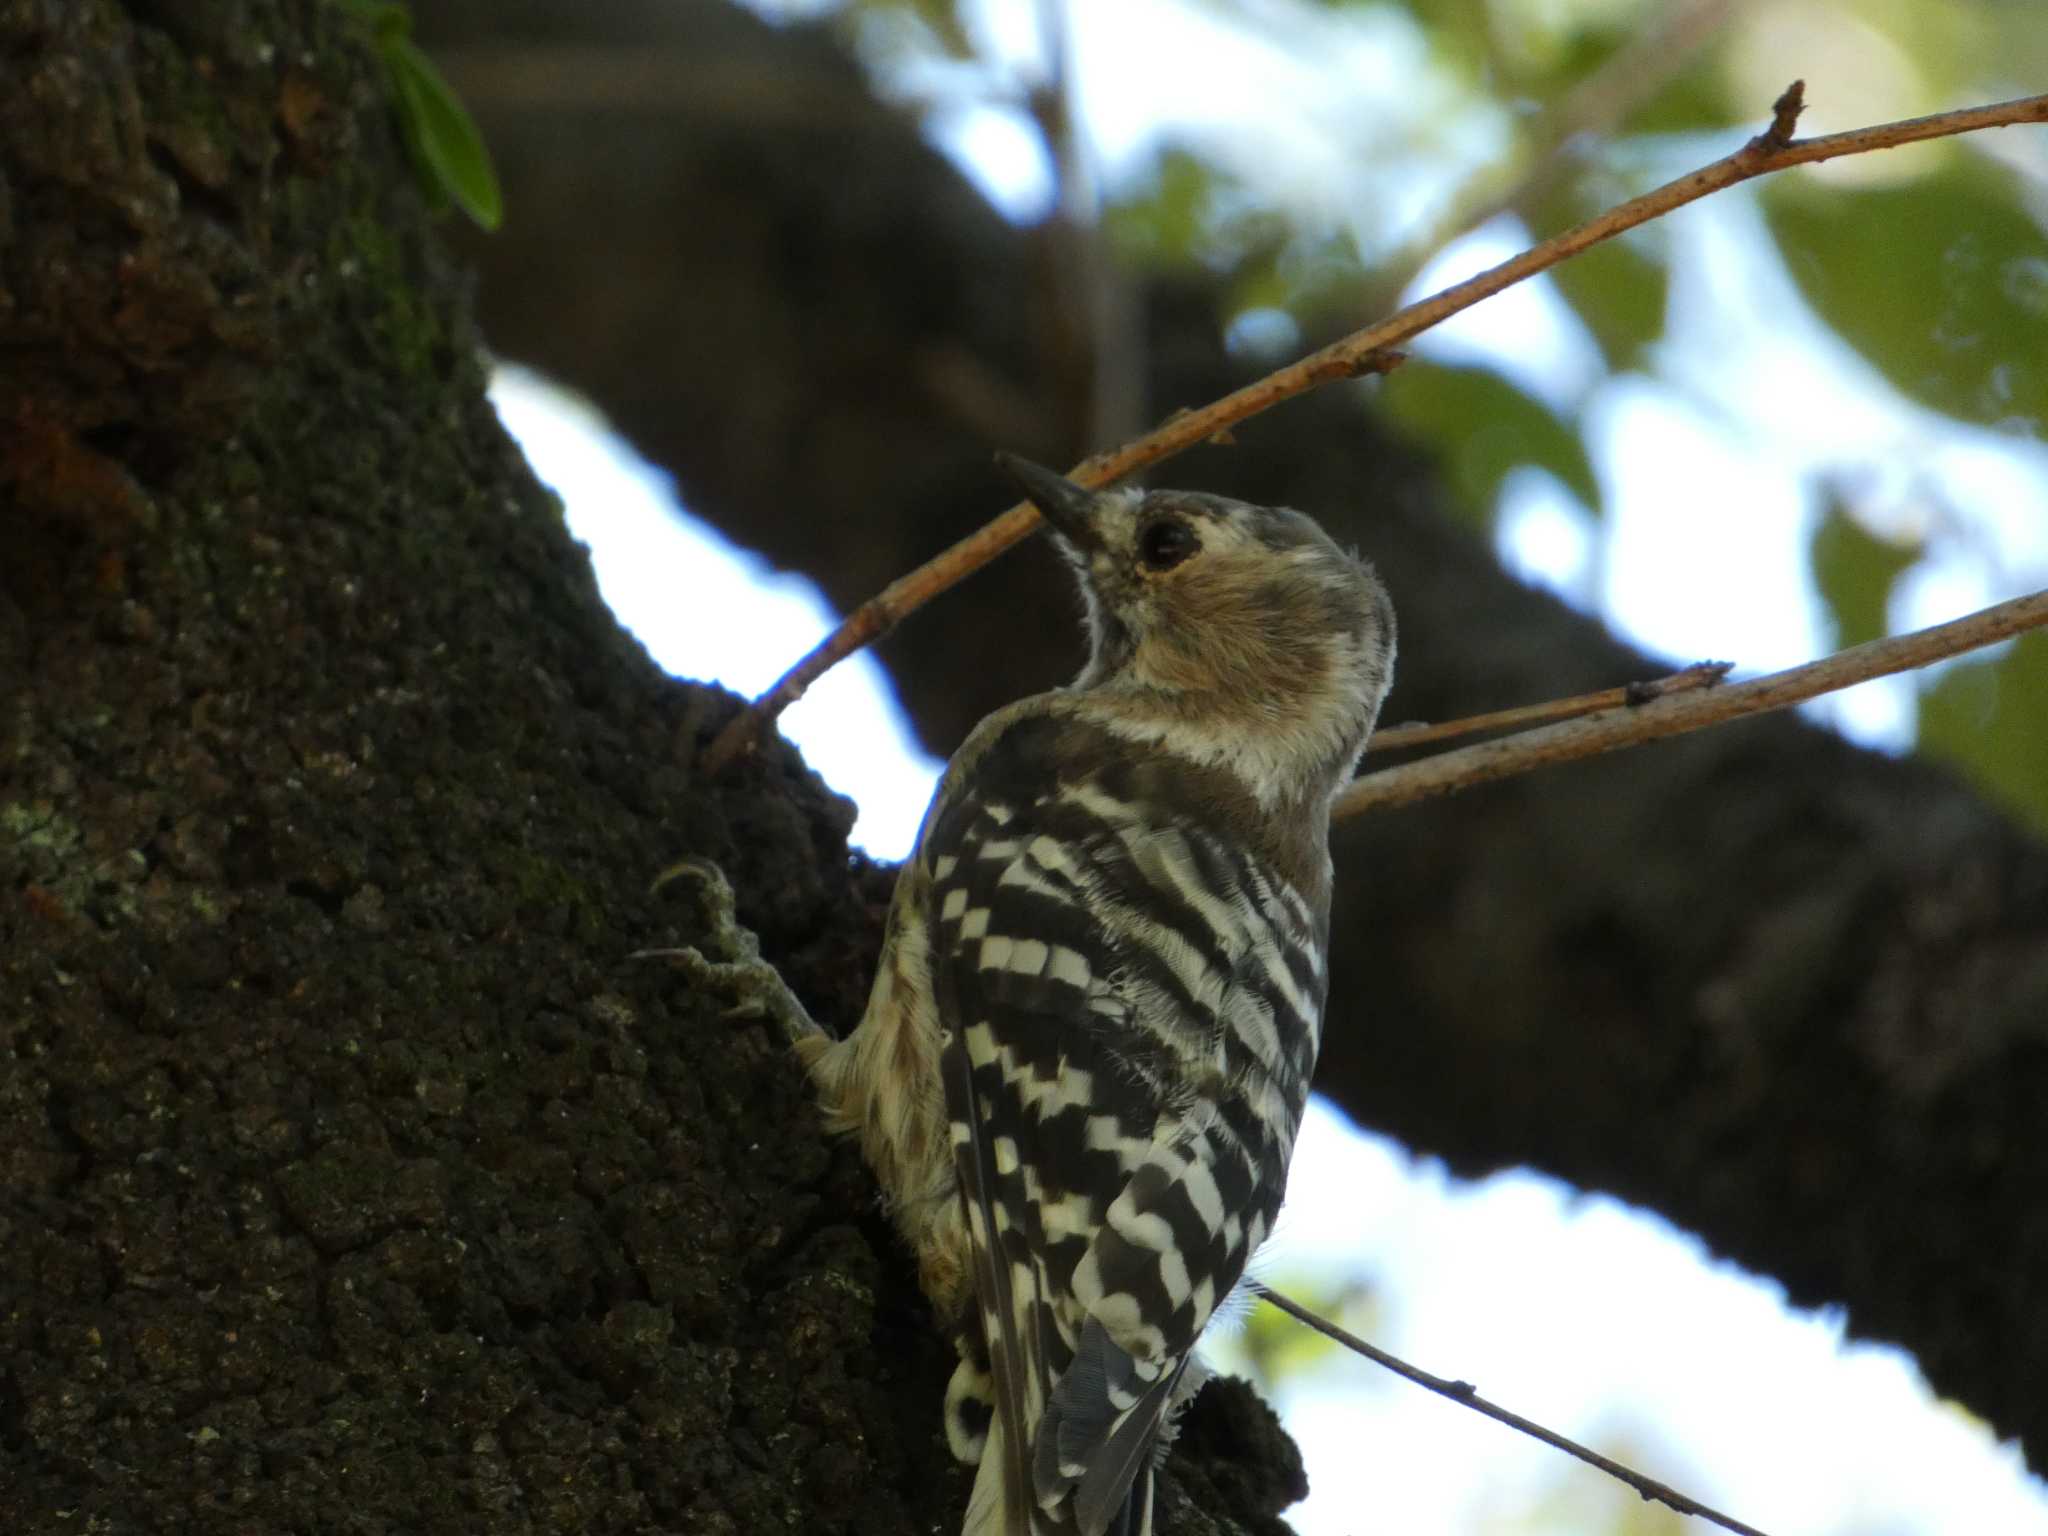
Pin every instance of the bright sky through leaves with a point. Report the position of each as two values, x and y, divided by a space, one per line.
707 609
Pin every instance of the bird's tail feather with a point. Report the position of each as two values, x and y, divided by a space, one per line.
994 1510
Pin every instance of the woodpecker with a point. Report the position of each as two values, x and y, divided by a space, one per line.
1089 1043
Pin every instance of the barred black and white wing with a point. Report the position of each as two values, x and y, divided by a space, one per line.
1129 1000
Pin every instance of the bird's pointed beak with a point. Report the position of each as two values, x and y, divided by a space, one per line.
1071 509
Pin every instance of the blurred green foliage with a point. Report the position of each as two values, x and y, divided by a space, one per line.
1856 571
1942 282
1619 293
1271 1347
1986 716
1484 427
1172 221
448 151
1581 1499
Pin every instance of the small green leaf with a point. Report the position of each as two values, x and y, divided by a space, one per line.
1986 717
444 135
1619 287
1856 570
1167 225
1483 427
1619 292
388 23
1941 282
1460 34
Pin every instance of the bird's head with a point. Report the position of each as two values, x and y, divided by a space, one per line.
1240 633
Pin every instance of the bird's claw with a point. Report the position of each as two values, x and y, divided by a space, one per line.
738 971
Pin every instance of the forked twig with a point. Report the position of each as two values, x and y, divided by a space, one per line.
1673 715
1701 674
1464 1392
1367 351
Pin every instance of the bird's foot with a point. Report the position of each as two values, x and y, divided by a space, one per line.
738 971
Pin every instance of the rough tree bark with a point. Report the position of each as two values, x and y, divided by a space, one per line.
355 1179
1792 995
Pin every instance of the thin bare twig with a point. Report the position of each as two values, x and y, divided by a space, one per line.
1701 674
1366 351
1464 1392
1613 729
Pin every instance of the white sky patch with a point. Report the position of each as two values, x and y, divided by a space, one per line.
1008 29
707 609
1222 82
1323 114
1001 151
2003 482
1263 334
1706 550
1742 336
1545 536
1528 333
1739 330
1935 593
1607 1324
790 12
1882 714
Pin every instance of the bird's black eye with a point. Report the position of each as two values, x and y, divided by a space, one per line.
1164 544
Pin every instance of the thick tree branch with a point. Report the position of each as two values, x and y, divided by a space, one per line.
1366 351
